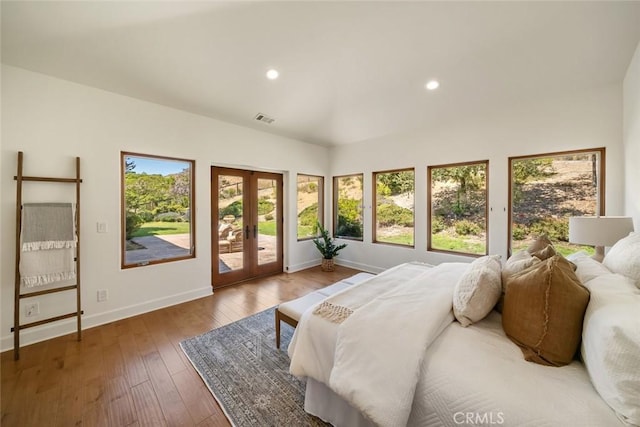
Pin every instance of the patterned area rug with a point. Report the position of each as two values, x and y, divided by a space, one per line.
248 375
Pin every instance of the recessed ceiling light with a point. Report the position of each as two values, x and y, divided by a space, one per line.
432 84
272 74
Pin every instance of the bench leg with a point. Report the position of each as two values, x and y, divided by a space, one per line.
277 328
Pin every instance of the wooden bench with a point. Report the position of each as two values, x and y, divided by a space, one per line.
291 311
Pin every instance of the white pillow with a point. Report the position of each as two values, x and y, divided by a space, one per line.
624 257
611 343
517 262
588 268
478 290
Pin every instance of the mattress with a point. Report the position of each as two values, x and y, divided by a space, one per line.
477 376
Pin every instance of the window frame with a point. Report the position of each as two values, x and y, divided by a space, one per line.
374 210
123 213
320 203
600 202
336 196
430 168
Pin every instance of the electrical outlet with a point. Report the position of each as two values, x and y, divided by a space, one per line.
102 227
32 309
103 295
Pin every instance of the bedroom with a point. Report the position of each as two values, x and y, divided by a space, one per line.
55 118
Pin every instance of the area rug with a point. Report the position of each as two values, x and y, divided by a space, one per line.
248 375
223 267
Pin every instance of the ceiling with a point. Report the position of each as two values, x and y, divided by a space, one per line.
349 71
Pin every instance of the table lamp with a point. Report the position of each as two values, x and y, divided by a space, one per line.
599 231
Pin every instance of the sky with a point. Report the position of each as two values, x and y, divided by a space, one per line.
154 166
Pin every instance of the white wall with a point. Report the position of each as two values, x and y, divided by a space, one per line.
631 125
53 120
571 121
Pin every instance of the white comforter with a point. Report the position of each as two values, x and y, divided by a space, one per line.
378 350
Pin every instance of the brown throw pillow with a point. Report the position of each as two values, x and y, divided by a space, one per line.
540 243
515 264
543 311
544 253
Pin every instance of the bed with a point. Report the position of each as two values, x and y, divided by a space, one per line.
371 367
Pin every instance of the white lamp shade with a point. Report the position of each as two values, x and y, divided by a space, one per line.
599 230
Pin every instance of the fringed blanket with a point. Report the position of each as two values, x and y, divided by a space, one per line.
48 244
340 306
377 349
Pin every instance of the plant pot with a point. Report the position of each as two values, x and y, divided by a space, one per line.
328 265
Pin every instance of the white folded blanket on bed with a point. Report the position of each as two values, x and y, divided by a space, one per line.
379 347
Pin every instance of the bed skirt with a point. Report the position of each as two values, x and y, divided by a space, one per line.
329 407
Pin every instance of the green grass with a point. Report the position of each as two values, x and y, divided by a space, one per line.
305 231
267 227
162 228
400 239
448 243
562 248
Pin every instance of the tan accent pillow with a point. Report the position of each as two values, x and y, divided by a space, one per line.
544 253
519 261
543 311
540 243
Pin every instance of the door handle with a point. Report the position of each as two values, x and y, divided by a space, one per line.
246 232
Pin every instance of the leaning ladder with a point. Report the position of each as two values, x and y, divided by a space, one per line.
18 295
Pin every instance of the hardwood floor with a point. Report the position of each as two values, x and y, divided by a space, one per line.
132 372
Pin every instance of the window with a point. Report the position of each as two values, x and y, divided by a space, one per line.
157 209
394 199
347 191
457 195
545 190
310 206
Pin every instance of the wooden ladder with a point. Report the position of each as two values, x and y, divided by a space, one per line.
18 295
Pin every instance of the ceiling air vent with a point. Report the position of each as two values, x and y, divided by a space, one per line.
263 118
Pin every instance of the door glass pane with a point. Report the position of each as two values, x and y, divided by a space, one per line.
230 232
267 224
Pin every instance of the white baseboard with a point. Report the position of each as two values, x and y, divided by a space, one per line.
359 266
68 326
303 266
350 264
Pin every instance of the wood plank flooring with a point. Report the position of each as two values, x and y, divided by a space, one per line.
132 372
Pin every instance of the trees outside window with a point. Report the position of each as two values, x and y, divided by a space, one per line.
310 205
394 201
157 209
457 195
546 189
348 219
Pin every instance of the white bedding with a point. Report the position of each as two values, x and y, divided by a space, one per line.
478 372
468 376
368 342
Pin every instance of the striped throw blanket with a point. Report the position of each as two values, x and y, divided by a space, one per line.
48 244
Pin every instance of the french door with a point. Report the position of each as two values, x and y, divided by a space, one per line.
246 209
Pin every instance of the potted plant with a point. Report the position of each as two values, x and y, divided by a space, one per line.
327 248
